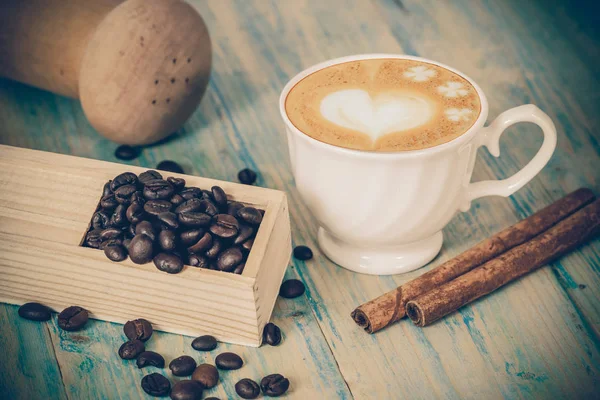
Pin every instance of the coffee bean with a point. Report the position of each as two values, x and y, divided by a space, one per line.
247 176
126 243
198 261
126 152
149 176
202 244
193 204
215 249
187 390
229 259
126 178
291 288
219 196
158 189
170 166
123 194
108 202
224 226
169 263
115 252
135 212
182 366
303 253
212 398
137 197
131 349
190 193
156 385
204 343
140 249
34 312
247 389
150 358
244 233
139 329
72 318
239 269
169 220
271 334
250 215
93 239
274 385
208 207
106 190
118 218
177 200
111 233
100 220
110 242
146 228
194 219
178 183
228 361
130 231
155 207
166 240
247 245
207 375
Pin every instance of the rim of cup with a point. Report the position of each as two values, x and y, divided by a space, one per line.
465 137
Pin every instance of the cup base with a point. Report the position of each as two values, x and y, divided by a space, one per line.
380 261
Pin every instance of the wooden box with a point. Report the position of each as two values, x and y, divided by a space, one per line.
46 203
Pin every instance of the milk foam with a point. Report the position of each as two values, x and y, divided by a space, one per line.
376 115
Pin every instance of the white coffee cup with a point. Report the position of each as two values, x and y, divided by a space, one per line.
382 213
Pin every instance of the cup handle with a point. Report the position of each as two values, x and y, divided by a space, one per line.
490 137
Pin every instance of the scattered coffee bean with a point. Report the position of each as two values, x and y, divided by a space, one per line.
178 183
194 219
202 244
187 390
126 178
245 232
204 343
250 215
170 166
135 212
131 349
191 236
123 194
228 361
247 176
156 385
224 226
156 207
207 375
239 269
291 288
158 189
150 358
247 245
166 240
34 312
169 263
220 197
229 259
100 220
125 152
145 228
215 249
182 366
139 329
115 252
303 253
247 389
271 334
195 260
140 249
274 385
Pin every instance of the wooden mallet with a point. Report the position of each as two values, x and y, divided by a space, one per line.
139 67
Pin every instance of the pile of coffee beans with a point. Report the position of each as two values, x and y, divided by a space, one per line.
150 218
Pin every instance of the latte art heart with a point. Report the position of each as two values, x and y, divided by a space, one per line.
376 115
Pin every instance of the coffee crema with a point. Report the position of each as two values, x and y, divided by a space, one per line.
383 105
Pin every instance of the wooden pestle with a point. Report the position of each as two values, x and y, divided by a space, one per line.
139 67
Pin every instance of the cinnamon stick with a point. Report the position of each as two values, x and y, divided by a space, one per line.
520 260
390 307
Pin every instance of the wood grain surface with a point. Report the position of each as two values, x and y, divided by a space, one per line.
536 338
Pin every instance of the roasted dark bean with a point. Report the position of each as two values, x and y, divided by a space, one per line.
233 208
131 349
169 220
244 233
139 329
198 261
158 189
100 220
170 166
247 176
135 212
208 207
118 218
106 190
140 249
271 334
229 259
247 245
111 233
219 196
228 361
155 207
123 194
111 242
182 366
149 176
291 288
247 389
137 197
34 312
274 385
191 236
250 215
224 226
202 244
190 205
239 269
207 375
126 152
150 358
215 249
115 252
187 390
177 200
204 343
108 202
169 263
166 240
190 193
178 183
126 243
194 219
126 178
93 239
145 228
130 231
303 253
72 318
156 385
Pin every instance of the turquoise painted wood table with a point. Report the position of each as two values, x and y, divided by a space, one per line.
536 338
